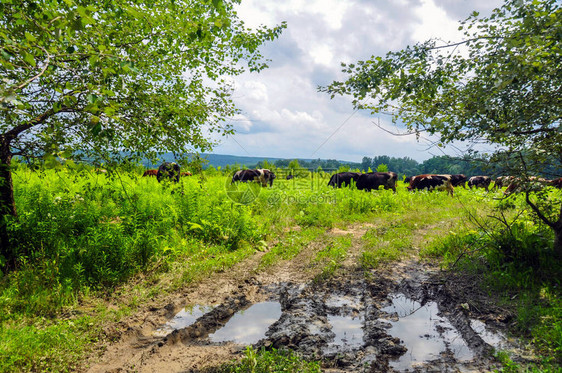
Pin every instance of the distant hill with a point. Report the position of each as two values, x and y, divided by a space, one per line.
223 160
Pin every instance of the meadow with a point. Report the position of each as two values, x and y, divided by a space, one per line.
82 236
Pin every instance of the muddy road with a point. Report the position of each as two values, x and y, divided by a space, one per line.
404 316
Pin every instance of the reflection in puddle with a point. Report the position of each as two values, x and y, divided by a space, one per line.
425 334
182 319
249 326
348 331
495 340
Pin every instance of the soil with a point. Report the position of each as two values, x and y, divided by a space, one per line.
308 307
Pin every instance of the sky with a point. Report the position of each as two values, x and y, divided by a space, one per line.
283 114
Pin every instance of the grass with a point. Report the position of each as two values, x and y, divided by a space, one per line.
86 238
274 360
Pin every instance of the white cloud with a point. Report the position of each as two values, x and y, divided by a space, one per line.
283 114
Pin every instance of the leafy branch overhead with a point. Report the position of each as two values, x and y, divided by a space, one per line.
121 74
500 85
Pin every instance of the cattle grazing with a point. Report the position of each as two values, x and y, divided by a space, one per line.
150 173
186 173
373 180
407 180
289 177
168 171
458 180
431 182
479 182
501 181
343 178
263 176
531 184
100 171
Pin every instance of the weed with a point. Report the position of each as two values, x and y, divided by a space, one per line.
281 360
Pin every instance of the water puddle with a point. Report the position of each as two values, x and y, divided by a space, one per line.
248 326
425 334
496 340
182 319
348 331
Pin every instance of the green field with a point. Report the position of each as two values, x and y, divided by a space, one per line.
81 236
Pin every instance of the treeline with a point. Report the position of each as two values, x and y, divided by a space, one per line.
469 166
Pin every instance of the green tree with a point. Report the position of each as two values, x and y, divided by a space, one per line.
500 85
100 79
382 168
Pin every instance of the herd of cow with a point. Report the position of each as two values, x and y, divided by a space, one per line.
374 180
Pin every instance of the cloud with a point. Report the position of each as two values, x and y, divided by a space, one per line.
284 115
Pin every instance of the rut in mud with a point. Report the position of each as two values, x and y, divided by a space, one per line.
404 318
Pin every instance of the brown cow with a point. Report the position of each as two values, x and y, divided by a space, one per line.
150 173
557 183
186 173
432 182
533 183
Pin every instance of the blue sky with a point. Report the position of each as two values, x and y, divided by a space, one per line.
284 115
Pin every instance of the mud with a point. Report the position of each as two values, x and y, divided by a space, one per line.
406 318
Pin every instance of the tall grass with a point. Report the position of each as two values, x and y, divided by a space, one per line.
80 233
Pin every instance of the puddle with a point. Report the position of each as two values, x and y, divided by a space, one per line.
248 326
425 334
496 340
182 319
348 331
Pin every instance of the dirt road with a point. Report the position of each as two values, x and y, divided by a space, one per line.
401 316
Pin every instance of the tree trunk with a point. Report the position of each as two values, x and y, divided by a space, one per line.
7 202
557 228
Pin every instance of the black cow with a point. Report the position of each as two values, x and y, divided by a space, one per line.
169 171
431 182
407 180
263 176
458 180
343 178
373 180
479 182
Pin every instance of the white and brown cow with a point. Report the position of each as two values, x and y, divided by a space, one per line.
431 182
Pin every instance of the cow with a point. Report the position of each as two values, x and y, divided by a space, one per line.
431 182
186 173
168 171
557 183
263 176
266 176
479 182
150 173
533 183
458 180
289 177
407 179
373 180
343 178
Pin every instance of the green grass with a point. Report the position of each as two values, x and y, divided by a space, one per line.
85 236
258 361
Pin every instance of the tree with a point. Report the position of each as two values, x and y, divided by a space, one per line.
103 79
500 85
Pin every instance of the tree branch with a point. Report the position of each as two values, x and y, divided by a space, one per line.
538 211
